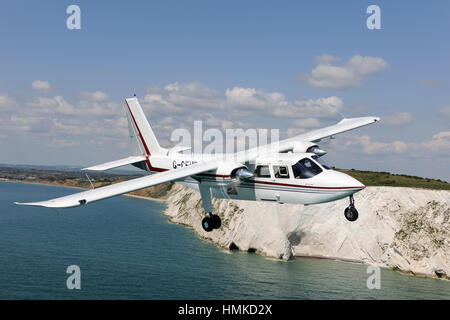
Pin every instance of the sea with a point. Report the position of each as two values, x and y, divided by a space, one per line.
124 248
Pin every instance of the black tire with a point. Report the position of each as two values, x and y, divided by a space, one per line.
216 221
207 224
351 214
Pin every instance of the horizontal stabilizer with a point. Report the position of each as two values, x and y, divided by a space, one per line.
116 163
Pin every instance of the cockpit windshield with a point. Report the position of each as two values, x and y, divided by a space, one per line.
305 169
321 162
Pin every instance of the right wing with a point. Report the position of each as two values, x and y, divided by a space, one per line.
313 136
112 190
340 127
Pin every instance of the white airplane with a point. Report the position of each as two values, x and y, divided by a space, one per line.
290 171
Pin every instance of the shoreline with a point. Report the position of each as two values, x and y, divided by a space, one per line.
81 188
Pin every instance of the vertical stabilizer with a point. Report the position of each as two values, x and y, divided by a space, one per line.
142 135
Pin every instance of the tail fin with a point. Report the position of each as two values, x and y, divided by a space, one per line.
142 136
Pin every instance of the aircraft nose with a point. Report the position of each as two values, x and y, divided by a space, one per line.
346 181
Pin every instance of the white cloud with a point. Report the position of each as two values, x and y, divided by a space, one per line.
398 119
181 98
95 104
348 75
444 111
307 123
319 108
92 117
195 99
372 147
55 105
6 102
40 85
61 143
326 59
252 98
28 123
97 96
291 132
438 144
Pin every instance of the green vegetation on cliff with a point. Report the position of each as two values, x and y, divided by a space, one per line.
386 179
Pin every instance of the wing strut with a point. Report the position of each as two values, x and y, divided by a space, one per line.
90 181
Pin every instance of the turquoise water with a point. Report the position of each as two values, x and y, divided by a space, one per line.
127 250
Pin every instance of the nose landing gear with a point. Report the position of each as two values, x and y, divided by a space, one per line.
211 222
351 214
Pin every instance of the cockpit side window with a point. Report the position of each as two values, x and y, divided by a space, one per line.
262 172
321 162
281 172
305 169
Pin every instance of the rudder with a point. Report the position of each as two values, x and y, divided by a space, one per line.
144 142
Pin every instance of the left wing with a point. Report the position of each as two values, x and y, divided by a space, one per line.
112 190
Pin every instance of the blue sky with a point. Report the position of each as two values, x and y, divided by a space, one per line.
207 48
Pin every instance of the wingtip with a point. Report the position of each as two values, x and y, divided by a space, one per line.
25 203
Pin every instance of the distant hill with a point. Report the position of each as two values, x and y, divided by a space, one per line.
373 178
65 168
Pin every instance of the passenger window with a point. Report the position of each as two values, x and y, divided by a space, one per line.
281 172
262 172
305 168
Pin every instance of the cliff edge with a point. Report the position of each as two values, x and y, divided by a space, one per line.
406 229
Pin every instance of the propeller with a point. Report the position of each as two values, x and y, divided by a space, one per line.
243 173
316 150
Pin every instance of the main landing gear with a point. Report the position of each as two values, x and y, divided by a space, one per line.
211 222
350 212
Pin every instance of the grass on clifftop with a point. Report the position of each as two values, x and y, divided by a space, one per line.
372 178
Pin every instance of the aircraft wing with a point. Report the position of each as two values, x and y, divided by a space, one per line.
112 190
342 126
313 136
116 163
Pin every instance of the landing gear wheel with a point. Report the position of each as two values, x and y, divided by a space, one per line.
216 221
207 224
351 213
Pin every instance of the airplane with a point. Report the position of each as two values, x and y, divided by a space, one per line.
289 171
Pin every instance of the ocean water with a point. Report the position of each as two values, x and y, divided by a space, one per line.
126 249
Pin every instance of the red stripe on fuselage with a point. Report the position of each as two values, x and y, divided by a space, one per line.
302 186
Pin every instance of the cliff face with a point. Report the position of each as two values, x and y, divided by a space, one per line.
401 228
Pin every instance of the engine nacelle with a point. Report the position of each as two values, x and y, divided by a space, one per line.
235 171
310 147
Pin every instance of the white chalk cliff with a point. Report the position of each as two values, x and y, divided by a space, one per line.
401 228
